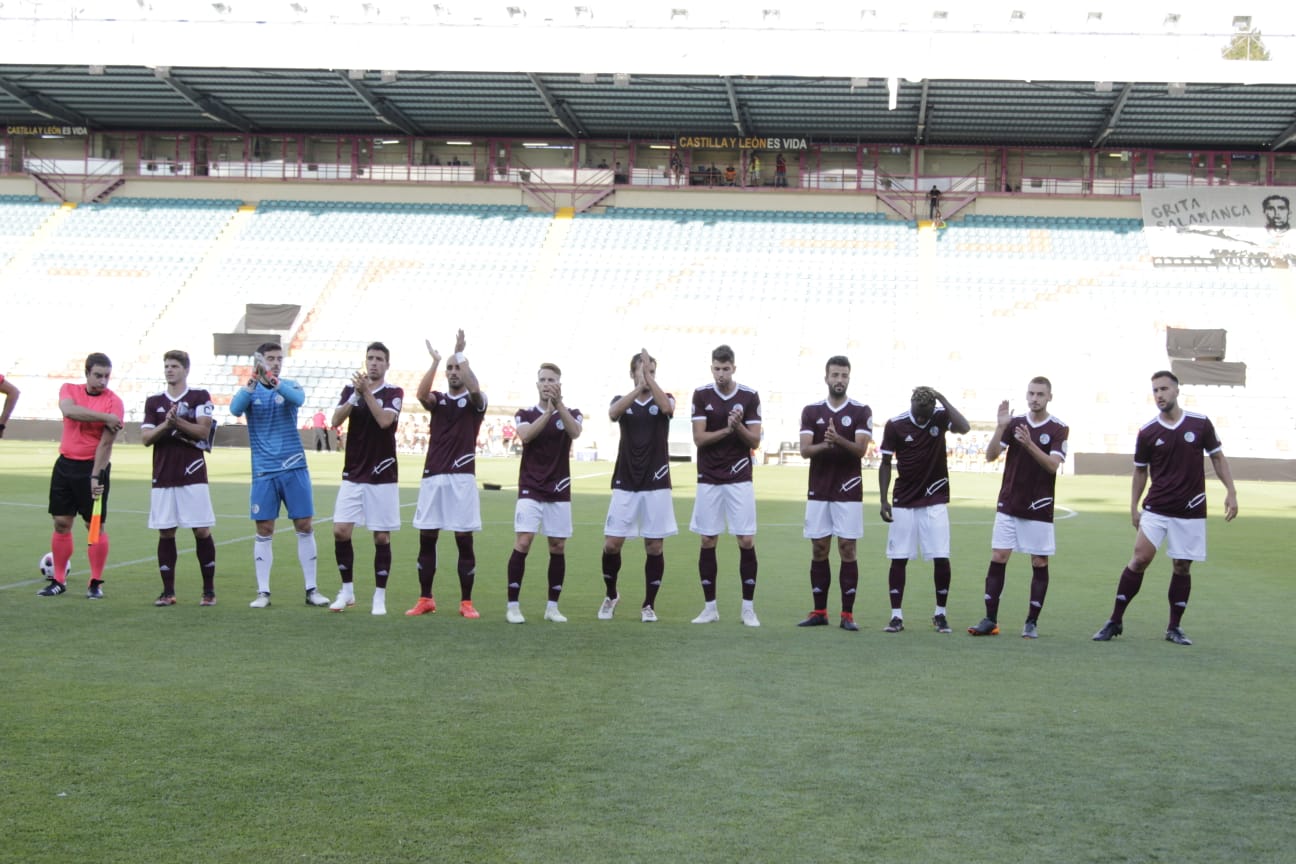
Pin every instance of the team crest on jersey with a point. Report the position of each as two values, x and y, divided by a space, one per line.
846 421
1190 437
278 399
1044 439
933 432
653 410
559 425
462 402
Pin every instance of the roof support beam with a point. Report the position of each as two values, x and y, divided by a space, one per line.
211 108
383 110
1285 137
558 110
921 132
735 107
1109 122
45 107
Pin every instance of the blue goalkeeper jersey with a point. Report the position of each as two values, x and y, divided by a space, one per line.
272 426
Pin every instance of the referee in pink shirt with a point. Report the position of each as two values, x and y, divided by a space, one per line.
92 417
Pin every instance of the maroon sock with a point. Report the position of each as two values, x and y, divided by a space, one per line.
557 573
747 572
467 565
848 581
1126 589
205 549
516 570
611 567
994 588
941 576
896 581
166 555
820 583
654 568
427 563
707 571
344 554
1180 588
382 564
1039 587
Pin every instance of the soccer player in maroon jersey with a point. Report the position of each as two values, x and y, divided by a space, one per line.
641 497
10 391
726 428
920 519
835 434
1169 448
178 426
92 417
1037 446
546 431
368 495
448 497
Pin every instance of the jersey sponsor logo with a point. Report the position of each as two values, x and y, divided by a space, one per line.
562 485
463 460
383 465
819 422
1190 437
661 472
1041 504
293 460
909 439
708 407
194 467
851 484
1196 501
937 486
740 465
1159 442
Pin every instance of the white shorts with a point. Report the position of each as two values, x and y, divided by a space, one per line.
448 502
914 528
1187 537
181 507
552 517
721 504
1022 535
641 514
373 505
844 519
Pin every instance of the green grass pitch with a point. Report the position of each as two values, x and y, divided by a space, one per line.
137 734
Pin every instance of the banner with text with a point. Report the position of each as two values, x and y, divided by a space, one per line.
1220 226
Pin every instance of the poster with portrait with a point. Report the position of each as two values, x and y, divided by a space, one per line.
1220 226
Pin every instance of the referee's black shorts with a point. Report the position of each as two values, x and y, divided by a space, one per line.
69 491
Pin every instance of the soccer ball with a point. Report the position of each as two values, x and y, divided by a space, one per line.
47 566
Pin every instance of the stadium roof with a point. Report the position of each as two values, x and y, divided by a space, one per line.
979 74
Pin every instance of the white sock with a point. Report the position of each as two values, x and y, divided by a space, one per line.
748 605
380 596
306 555
940 610
709 605
262 559
896 613
552 604
513 604
348 590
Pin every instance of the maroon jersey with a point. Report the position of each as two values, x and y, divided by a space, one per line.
370 449
727 460
1173 456
177 459
545 472
643 458
835 473
1027 488
919 453
452 434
